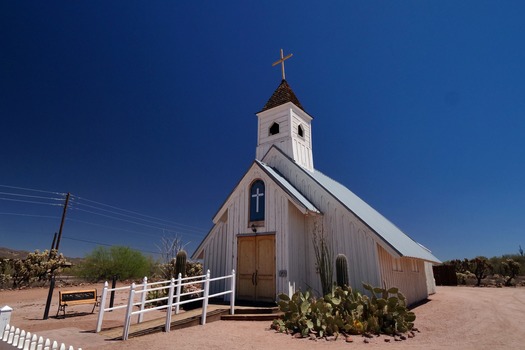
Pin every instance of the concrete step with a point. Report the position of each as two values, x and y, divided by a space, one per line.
253 314
251 317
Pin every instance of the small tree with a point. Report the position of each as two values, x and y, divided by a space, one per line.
323 257
102 263
461 266
480 267
511 269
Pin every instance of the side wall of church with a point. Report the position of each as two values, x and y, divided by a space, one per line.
348 235
407 274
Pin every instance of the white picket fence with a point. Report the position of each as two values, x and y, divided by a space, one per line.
15 338
174 289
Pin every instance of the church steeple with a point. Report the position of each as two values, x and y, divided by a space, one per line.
281 95
284 123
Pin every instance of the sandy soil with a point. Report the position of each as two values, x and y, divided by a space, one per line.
453 318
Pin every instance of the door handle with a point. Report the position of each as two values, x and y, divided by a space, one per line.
256 277
253 278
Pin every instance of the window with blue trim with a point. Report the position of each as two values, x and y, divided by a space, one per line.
257 201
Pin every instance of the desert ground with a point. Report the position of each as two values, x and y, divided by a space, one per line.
453 318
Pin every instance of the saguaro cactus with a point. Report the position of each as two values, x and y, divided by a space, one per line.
341 269
180 263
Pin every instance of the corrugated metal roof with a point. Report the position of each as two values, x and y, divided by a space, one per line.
390 234
288 187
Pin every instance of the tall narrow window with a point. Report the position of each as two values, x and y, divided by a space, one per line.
257 201
274 129
300 131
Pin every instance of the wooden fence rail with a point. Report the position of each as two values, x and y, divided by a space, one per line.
15 338
173 289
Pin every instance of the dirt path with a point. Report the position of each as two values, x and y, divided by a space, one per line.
454 318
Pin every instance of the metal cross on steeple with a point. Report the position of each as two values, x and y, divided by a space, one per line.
281 61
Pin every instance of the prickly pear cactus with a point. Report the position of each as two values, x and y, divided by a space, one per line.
341 269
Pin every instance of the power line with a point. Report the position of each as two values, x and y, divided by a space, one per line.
31 189
133 212
115 218
32 215
112 228
174 230
132 217
31 196
33 202
104 244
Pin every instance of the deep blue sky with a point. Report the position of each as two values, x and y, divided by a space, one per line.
150 107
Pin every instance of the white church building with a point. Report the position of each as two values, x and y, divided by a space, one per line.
264 228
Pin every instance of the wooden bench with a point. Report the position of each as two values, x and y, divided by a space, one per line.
77 297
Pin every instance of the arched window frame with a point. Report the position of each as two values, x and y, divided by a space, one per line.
257 200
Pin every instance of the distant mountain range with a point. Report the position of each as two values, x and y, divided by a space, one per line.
7 253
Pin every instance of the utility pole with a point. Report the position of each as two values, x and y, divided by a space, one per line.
53 245
52 281
62 222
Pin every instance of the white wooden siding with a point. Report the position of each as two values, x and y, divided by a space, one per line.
348 234
410 282
431 282
299 266
368 261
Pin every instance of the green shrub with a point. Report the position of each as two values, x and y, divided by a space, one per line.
345 311
102 263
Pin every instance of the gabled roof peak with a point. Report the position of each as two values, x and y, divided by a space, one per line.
282 95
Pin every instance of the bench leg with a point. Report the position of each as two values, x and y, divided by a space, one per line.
63 308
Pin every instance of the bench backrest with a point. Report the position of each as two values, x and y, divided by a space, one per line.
77 296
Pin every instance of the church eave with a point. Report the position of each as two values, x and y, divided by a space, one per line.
302 203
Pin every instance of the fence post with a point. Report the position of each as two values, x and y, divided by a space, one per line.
167 327
113 286
102 307
232 297
5 317
143 299
205 300
179 289
127 320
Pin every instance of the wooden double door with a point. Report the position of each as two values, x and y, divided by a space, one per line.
256 268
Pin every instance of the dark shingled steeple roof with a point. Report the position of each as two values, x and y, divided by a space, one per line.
281 95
